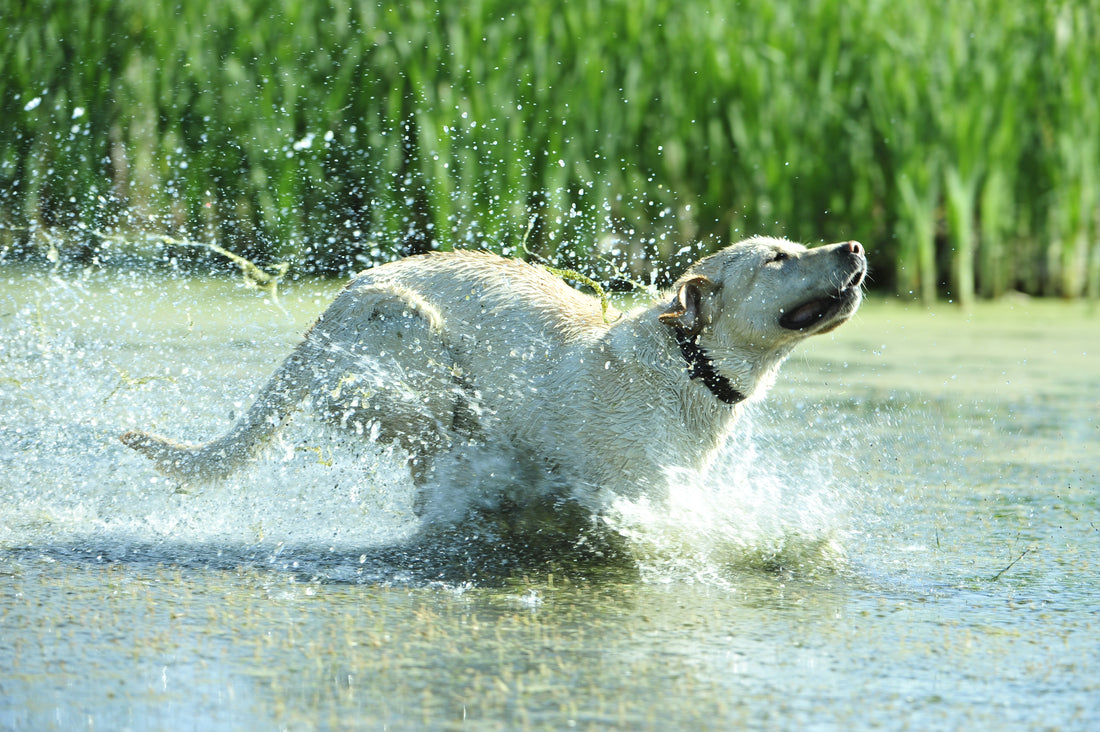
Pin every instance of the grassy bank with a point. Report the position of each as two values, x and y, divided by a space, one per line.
959 141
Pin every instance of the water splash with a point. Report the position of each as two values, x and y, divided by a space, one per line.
751 512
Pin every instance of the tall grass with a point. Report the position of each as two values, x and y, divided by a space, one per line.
959 141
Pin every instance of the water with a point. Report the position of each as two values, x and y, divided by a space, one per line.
905 535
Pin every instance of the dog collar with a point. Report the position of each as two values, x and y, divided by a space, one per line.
702 367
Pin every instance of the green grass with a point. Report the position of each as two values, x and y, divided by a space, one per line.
959 141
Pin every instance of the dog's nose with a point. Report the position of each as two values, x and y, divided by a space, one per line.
854 247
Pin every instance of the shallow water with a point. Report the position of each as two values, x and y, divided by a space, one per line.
904 535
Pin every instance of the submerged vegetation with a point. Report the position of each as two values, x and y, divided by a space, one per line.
959 141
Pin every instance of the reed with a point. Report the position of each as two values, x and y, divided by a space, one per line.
959 141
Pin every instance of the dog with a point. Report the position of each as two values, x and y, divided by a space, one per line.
441 352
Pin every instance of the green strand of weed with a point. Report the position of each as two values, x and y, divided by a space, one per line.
572 274
254 276
569 274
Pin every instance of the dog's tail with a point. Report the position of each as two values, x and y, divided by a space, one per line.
216 459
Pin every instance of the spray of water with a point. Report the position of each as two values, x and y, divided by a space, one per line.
753 511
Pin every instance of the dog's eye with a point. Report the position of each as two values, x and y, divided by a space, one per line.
778 256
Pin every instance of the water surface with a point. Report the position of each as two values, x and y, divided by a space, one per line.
904 535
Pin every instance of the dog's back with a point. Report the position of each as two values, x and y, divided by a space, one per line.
496 300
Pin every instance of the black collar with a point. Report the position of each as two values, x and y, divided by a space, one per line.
703 368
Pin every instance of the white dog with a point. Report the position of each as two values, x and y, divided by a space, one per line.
441 351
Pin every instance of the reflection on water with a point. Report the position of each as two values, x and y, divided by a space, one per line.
905 533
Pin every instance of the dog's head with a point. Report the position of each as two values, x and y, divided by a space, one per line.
762 294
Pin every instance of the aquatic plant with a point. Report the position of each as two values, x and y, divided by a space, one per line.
958 141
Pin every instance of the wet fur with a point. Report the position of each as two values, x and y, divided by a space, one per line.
443 351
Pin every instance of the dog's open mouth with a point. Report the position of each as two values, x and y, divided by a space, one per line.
824 309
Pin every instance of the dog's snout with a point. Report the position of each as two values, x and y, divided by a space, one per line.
855 250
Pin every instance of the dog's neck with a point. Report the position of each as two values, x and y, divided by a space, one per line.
700 366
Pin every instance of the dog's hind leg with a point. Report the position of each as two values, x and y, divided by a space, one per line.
390 371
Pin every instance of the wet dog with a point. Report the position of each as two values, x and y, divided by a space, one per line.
440 352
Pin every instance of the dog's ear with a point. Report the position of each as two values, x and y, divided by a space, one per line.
686 310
